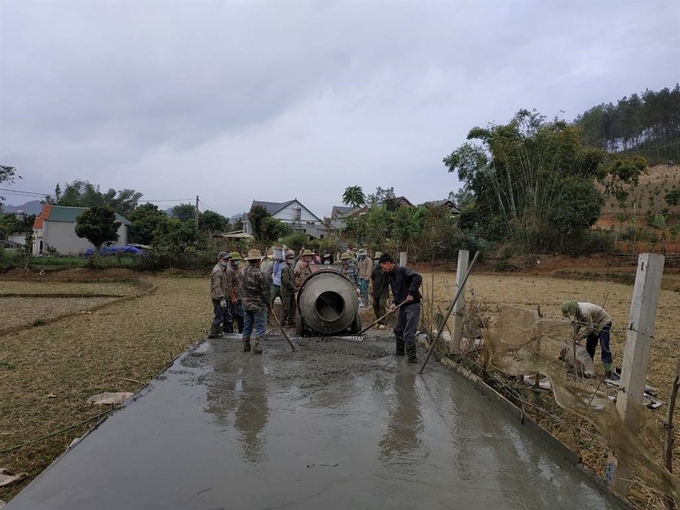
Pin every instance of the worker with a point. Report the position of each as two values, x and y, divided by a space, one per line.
365 268
405 284
380 290
349 268
234 302
276 268
218 293
256 295
288 290
303 267
592 322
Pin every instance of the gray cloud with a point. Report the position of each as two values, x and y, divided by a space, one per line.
236 101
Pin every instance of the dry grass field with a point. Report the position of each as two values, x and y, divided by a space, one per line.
48 372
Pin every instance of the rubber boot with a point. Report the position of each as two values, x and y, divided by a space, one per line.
246 344
215 332
400 347
607 370
228 327
411 355
257 346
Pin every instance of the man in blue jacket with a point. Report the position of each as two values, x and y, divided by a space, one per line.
405 284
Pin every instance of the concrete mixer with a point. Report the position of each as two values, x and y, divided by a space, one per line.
328 304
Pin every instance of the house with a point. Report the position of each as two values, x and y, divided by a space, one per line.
444 203
292 213
55 228
358 211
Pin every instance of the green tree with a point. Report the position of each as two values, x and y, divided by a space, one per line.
354 196
256 216
384 197
516 172
212 221
146 220
98 225
673 197
176 236
184 212
8 174
576 208
272 230
85 194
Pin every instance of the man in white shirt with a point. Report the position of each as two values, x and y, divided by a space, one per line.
593 323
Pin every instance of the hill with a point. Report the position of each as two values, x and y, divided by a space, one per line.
32 207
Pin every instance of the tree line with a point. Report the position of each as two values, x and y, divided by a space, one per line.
646 124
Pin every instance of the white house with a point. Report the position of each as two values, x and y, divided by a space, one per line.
55 227
292 213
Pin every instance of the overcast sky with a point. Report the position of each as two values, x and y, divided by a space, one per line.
236 101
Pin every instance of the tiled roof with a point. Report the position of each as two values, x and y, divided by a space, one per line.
271 207
44 214
65 214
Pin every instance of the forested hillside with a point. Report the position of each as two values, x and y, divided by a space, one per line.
646 124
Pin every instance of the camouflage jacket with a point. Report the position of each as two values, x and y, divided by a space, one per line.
302 271
365 267
254 289
287 280
218 282
351 272
233 280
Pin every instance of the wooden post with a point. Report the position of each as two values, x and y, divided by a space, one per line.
463 257
402 259
636 356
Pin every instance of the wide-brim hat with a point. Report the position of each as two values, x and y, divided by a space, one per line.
236 256
377 255
345 256
362 252
254 255
290 254
307 253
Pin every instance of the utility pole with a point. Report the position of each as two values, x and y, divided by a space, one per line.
196 215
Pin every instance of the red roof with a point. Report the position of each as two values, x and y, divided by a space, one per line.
44 214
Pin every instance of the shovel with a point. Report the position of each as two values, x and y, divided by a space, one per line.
282 331
381 318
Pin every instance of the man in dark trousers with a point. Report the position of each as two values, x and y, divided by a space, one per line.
405 285
256 295
380 291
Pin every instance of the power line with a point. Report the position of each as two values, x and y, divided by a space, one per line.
10 191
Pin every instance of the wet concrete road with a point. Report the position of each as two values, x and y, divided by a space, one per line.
337 425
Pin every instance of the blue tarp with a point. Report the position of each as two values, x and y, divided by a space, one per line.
113 250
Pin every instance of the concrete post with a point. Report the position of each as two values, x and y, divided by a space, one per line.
636 356
459 306
402 258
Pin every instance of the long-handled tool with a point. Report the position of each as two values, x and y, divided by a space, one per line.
282 331
381 318
448 312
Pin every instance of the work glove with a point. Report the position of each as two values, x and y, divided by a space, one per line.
223 303
393 307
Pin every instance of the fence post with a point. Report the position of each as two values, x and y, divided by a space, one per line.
636 356
463 257
402 258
